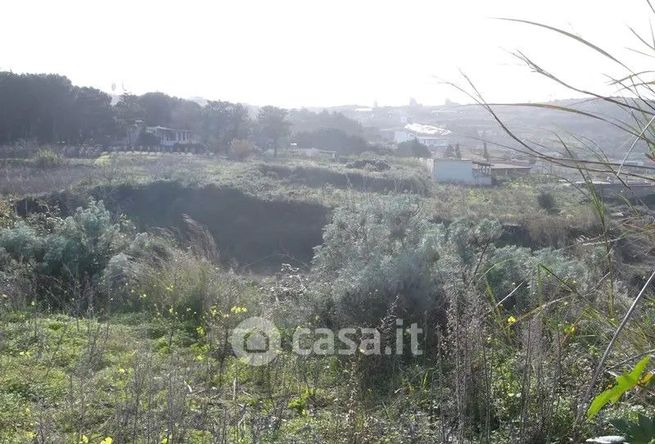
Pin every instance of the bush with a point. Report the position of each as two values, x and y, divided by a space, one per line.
67 256
371 254
21 242
379 253
241 149
47 158
151 273
547 202
534 277
377 165
90 260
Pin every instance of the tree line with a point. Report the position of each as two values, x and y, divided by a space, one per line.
49 109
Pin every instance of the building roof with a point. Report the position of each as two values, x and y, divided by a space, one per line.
452 159
509 166
163 128
426 130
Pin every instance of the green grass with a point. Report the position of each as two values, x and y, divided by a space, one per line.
67 378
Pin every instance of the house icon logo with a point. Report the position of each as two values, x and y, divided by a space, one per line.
255 341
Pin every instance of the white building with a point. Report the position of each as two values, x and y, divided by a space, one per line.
459 171
431 136
171 136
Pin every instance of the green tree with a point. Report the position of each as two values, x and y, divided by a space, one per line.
413 148
128 109
222 122
331 139
273 126
94 115
50 109
304 120
157 108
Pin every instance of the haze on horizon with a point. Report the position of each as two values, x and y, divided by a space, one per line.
296 53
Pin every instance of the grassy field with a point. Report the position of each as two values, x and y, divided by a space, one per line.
325 182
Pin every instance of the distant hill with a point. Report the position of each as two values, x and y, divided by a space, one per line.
539 122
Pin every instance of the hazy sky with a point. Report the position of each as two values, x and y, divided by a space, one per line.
315 52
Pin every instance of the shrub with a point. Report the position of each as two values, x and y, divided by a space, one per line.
241 149
151 273
533 277
374 252
378 254
369 164
21 241
7 214
547 202
71 254
47 158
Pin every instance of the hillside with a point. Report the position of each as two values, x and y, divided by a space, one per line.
471 123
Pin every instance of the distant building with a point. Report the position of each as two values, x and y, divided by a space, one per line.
433 137
615 189
460 171
509 170
139 134
172 136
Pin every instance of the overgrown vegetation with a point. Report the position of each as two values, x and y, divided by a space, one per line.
151 317
47 158
138 317
119 294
